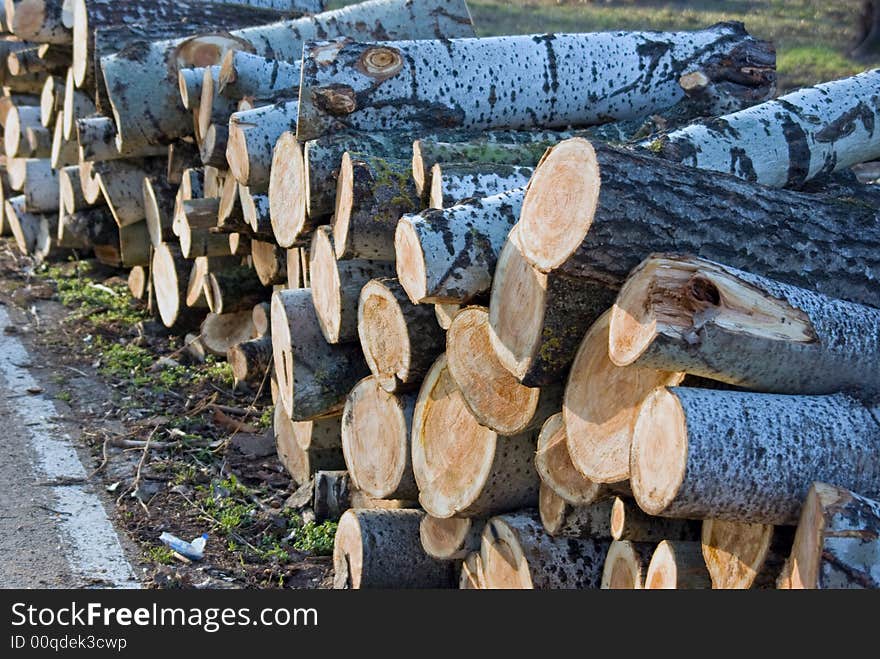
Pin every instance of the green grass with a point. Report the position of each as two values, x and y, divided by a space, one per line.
812 37
160 554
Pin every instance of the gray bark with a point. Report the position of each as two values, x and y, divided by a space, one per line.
452 184
531 81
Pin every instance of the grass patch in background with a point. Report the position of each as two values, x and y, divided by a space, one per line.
812 37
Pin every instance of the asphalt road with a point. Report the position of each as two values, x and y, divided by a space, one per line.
54 533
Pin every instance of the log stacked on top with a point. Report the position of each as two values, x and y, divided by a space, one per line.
550 326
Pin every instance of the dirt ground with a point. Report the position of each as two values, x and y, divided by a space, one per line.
173 445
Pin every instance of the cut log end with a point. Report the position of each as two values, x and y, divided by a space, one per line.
166 284
444 539
81 40
601 405
384 335
504 564
504 405
624 568
452 453
560 203
344 204
516 308
326 286
677 566
735 552
659 451
287 190
667 294
282 351
375 440
410 261
237 153
554 464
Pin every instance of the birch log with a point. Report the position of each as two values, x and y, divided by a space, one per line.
42 21
400 340
77 104
495 398
122 184
270 262
518 553
629 522
461 467
301 463
601 404
787 141
159 197
449 256
450 539
138 80
314 377
41 187
837 544
773 448
252 137
251 360
18 119
372 192
376 441
687 314
219 332
530 84
90 228
169 270
583 243
245 74
626 565
556 469
25 226
64 152
454 183
381 549
677 566
740 555
336 286
321 433
189 83
561 519
235 289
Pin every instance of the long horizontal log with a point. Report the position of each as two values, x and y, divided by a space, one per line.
400 340
461 467
837 544
786 141
517 553
372 192
592 212
381 549
696 453
376 441
139 80
449 256
314 377
411 84
629 522
687 314
507 407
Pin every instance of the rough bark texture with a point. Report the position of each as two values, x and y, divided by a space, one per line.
535 80
219 332
139 78
41 188
245 74
629 522
457 182
400 339
371 194
450 255
837 544
787 141
332 495
518 553
381 549
235 289
773 448
251 360
725 324
561 519
314 376
41 21
648 205
450 539
90 228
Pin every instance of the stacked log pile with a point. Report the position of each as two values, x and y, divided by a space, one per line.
528 320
